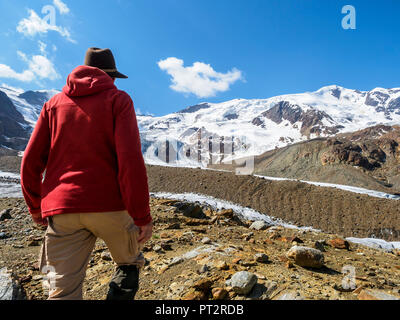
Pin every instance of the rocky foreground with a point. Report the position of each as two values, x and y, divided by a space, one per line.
199 253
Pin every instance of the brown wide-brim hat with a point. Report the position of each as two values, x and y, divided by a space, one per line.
104 60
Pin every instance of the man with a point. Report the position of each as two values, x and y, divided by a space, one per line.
83 175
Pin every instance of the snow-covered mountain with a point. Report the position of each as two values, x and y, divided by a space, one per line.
259 125
19 111
239 127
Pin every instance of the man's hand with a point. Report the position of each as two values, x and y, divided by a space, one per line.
145 233
39 220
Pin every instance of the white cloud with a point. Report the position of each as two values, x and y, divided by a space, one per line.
39 67
61 6
34 25
200 79
42 47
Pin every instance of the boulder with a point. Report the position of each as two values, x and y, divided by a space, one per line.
190 210
339 243
259 225
242 282
306 257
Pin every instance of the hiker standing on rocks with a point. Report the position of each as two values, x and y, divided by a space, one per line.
84 177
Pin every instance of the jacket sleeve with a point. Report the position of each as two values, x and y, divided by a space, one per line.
34 162
132 174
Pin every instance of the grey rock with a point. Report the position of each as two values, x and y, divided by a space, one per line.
157 248
175 261
9 288
289 295
3 235
190 210
5 214
206 240
261 257
259 225
242 282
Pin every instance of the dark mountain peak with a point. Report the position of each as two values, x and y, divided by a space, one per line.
7 109
336 92
195 108
35 97
283 110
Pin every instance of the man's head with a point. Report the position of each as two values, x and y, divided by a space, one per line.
104 60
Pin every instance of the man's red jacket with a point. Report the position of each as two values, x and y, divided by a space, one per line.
86 146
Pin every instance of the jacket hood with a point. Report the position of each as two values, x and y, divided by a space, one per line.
85 80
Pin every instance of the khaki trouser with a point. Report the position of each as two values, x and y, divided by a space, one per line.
69 242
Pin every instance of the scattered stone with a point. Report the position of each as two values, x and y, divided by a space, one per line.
289 295
291 239
270 288
203 269
37 277
306 257
371 294
219 293
259 225
3 235
275 236
5 214
206 240
190 210
163 269
175 290
157 248
175 261
106 256
222 265
165 246
9 287
339 243
261 257
242 282
247 236
248 263
320 245
203 284
195 295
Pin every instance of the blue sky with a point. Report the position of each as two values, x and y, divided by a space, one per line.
214 50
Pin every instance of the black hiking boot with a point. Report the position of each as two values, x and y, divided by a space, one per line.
124 283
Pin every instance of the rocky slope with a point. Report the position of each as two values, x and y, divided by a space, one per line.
368 158
326 208
200 253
